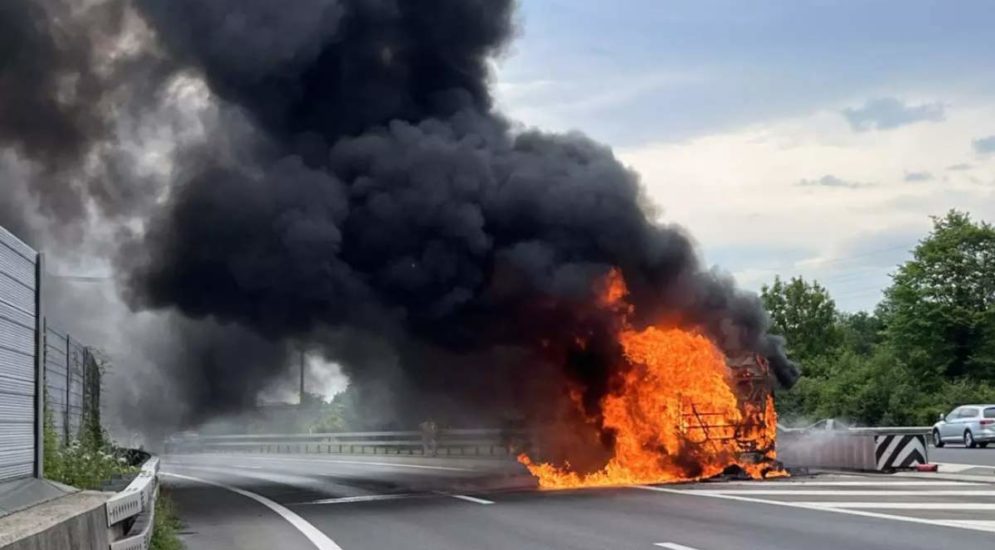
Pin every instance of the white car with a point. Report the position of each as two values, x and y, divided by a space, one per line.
972 425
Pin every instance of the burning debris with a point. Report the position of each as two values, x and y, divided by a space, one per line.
355 188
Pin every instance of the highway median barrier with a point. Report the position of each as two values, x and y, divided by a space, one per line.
858 449
466 443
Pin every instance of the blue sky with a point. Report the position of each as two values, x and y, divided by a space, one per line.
791 137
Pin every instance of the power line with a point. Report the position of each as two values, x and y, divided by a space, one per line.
859 292
81 278
817 264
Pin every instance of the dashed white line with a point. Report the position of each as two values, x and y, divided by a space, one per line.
317 538
467 498
364 498
673 546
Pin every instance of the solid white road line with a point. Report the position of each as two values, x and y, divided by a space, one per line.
805 506
953 468
673 546
317 538
845 493
903 505
989 525
297 480
869 483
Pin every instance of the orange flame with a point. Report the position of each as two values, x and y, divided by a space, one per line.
676 415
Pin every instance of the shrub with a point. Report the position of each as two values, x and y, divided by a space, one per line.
86 463
165 530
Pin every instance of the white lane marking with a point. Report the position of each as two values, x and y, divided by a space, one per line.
313 484
351 463
317 538
953 468
986 525
902 505
474 500
876 515
869 483
846 493
673 546
350 500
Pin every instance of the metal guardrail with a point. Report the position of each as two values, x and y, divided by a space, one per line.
136 502
457 442
898 430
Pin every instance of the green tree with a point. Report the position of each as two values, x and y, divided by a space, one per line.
339 415
805 315
929 346
940 310
860 332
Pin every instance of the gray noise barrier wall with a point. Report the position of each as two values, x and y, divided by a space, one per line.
19 399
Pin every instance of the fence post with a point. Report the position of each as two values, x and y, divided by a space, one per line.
40 335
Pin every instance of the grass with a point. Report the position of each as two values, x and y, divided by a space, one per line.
165 531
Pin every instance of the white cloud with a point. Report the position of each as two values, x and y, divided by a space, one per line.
565 104
918 176
889 113
830 180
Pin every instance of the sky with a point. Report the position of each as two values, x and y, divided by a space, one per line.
791 137
811 138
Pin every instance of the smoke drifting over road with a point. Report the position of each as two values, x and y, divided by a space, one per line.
354 188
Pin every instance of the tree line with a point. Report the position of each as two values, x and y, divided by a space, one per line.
929 345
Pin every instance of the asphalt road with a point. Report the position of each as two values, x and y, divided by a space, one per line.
957 454
353 503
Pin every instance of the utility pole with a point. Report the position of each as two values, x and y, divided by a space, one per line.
302 377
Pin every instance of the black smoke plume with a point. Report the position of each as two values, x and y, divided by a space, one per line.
358 191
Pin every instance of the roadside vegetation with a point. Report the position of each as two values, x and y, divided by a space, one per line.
87 462
929 345
91 461
166 529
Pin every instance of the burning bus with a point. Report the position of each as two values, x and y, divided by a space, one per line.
680 409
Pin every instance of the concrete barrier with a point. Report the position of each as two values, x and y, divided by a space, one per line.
849 450
88 520
76 521
828 450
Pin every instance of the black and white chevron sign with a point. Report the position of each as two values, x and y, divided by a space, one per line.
899 451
